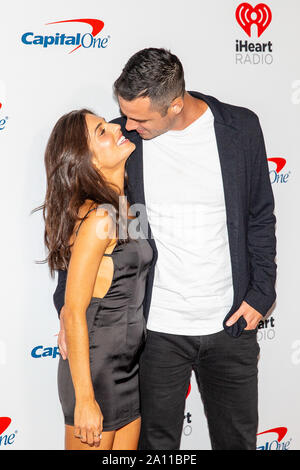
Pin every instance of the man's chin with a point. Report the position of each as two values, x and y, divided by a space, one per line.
147 135
144 135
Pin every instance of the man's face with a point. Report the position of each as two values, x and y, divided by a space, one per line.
144 119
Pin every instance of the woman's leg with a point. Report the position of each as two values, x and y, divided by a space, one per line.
127 437
74 443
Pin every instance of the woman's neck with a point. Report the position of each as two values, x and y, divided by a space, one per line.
115 177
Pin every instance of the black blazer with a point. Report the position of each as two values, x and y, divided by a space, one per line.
249 208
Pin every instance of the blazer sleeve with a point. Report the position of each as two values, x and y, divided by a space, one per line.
59 293
261 239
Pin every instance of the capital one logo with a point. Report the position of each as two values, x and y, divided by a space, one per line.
86 40
274 439
3 118
41 352
276 175
6 439
260 15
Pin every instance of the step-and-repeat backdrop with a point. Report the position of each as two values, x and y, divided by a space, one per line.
57 56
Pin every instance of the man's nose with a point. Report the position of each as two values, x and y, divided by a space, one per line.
131 125
115 127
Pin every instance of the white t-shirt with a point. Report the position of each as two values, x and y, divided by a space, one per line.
184 195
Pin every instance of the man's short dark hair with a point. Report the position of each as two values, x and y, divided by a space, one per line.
153 73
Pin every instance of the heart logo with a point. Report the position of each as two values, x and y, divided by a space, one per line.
260 15
4 423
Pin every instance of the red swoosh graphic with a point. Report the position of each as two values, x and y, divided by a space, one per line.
4 423
97 26
279 162
280 431
189 391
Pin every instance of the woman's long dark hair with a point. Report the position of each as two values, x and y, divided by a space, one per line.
71 179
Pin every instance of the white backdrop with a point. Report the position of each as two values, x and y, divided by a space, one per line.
38 84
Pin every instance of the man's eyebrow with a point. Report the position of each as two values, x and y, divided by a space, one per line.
127 117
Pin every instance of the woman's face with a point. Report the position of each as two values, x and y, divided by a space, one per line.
107 144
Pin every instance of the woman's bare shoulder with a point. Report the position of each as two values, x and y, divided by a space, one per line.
93 220
85 207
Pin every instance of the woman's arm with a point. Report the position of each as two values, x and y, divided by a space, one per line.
87 253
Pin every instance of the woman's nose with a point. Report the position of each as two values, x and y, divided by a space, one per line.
114 128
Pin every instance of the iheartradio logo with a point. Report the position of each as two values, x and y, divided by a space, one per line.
260 15
254 53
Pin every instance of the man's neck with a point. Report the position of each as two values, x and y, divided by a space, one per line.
192 109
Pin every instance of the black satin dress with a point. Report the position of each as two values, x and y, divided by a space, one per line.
117 332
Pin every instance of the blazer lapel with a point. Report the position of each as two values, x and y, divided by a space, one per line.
136 192
227 143
229 150
134 167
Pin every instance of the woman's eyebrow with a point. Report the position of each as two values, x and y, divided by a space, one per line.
98 125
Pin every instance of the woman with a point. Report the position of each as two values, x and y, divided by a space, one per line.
103 318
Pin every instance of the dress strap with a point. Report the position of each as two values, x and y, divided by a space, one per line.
94 208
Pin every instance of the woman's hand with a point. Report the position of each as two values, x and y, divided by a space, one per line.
88 422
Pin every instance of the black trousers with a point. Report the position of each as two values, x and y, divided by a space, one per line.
226 374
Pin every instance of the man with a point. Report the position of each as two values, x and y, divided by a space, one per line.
200 168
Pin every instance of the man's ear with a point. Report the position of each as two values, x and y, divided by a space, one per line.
177 105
